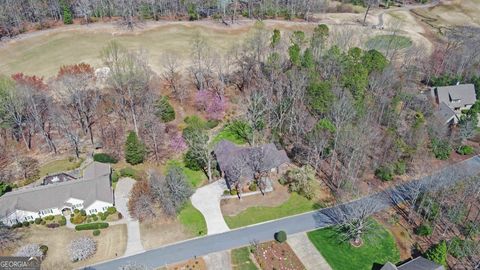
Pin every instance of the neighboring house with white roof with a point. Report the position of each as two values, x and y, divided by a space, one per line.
452 100
92 192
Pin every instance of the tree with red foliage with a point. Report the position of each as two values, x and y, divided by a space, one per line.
214 104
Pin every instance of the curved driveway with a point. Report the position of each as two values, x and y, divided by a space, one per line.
207 200
294 224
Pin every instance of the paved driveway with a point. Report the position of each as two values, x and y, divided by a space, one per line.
294 224
122 192
307 253
207 200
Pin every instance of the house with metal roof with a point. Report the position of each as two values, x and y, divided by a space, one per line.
92 193
418 263
452 100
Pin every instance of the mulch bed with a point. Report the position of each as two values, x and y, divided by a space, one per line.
277 256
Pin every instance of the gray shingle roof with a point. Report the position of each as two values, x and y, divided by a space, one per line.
229 155
97 187
389 266
420 263
445 113
464 93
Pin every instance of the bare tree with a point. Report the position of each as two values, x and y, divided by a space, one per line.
29 250
173 77
82 248
369 4
202 63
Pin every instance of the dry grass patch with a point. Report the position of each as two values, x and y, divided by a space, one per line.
152 233
110 243
273 255
196 264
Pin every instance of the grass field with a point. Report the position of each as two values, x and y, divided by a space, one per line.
193 220
385 42
60 165
241 259
227 134
44 53
378 248
296 204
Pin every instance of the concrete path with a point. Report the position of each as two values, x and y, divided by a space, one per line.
218 260
307 253
122 192
294 224
207 200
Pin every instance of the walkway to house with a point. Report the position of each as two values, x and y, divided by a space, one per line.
218 260
307 253
122 191
207 200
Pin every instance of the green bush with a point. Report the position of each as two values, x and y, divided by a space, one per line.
115 176
280 236
49 217
44 249
400 167
465 150
95 218
134 149
63 221
78 219
43 222
26 224
103 217
111 210
233 192
83 213
460 248
96 232
384 173
471 229
252 187
91 226
104 158
38 221
76 211
441 149
438 253
424 230
165 110
211 124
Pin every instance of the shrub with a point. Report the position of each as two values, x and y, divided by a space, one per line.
111 210
134 149
53 225
83 213
441 149
26 224
120 216
471 229
76 211
77 219
424 230
233 192
95 218
49 217
96 232
72 215
283 180
212 124
43 222
384 173
38 221
400 167
115 176
103 217
63 221
252 187
91 226
465 150
438 253
104 158
44 249
280 236
460 248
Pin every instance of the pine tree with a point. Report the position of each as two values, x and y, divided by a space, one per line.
67 13
438 253
134 149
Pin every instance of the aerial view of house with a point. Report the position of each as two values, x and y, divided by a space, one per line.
240 134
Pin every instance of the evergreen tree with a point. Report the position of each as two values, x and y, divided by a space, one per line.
438 253
134 149
67 13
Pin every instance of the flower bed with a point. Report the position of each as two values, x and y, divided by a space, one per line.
273 255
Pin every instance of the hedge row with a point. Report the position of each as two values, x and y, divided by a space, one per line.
91 226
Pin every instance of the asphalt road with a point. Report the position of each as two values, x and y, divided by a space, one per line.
300 223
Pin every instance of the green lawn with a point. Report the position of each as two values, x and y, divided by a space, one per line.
378 247
241 259
59 166
195 178
193 220
227 134
296 204
383 42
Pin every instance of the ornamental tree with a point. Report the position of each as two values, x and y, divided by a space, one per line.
134 149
